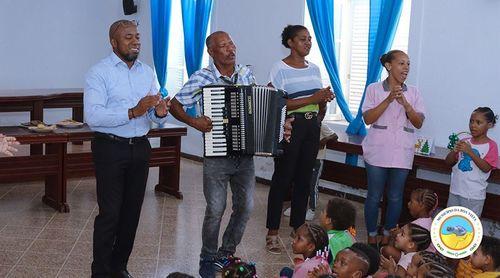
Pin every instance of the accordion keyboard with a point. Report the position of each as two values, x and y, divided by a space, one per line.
215 140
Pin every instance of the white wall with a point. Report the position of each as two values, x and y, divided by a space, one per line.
455 60
454 51
52 44
255 27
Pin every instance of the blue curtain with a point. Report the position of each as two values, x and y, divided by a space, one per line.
321 13
160 28
195 15
384 18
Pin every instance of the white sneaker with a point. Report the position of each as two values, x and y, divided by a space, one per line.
309 214
287 212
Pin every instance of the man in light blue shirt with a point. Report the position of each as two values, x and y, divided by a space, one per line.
120 100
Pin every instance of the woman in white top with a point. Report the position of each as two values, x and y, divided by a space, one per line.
301 80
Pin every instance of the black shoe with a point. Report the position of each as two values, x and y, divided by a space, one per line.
220 263
207 269
121 274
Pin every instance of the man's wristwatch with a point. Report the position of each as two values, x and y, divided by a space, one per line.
131 113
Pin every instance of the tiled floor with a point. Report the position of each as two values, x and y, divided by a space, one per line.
36 241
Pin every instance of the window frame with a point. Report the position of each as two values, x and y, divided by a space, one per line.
343 43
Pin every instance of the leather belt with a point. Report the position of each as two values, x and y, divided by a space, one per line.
306 115
112 137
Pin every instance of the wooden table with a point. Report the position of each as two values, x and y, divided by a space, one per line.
355 176
35 100
56 165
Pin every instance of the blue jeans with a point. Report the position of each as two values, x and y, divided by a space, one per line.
239 173
378 178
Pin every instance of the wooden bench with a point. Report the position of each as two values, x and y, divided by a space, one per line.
56 165
35 101
355 176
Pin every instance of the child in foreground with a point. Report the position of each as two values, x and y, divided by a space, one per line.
423 202
358 261
411 239
311 240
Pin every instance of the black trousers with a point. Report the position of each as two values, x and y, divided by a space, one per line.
295 165
121 175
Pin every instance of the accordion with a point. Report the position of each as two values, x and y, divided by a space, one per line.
246 120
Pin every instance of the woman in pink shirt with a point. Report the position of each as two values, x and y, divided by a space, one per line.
394 110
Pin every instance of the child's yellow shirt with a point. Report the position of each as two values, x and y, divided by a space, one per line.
466 270
488 275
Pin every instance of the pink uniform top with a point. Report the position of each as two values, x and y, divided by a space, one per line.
390 141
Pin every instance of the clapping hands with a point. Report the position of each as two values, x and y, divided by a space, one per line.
323 95
388 264
397 94
162 107
152 101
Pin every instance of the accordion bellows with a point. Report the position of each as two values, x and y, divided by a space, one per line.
247 120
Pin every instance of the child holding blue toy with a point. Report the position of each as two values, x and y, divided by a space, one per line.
473 159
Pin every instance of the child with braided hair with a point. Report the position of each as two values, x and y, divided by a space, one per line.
434 270
311 241
421 258
412 238
423 202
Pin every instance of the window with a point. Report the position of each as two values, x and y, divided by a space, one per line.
176 64
351 44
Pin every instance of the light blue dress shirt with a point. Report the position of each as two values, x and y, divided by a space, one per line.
111 88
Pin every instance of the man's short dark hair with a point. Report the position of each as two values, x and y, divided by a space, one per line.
120 24
210 37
